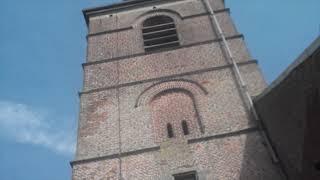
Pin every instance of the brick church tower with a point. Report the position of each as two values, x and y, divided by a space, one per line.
164 96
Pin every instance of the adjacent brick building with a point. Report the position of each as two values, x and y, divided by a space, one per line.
290 111
161 100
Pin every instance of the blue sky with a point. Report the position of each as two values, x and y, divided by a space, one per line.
42 46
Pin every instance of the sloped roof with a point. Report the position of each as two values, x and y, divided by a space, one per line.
315 45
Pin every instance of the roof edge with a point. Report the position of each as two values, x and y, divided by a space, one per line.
315 45
117 6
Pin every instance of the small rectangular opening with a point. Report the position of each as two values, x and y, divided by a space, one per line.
186 176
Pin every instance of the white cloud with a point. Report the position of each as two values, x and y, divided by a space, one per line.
25 124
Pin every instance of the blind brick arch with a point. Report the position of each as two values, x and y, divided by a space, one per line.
194 88
173 106
173 102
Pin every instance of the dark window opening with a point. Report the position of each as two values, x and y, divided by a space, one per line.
317 166
186 176
170 130
159 32
185 128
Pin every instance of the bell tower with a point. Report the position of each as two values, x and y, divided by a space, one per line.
164 96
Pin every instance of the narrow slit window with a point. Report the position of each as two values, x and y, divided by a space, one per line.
170 130
185 128
159 32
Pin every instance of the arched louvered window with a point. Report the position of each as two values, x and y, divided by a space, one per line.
185 128
170 130
159 32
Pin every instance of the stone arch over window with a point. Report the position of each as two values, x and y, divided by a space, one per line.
175 103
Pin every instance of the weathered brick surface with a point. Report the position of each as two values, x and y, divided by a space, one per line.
99 76
130 41
98 125
238 157
217 4
108 170
128 101
254 80
142 166
162 64
137 125
111 45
